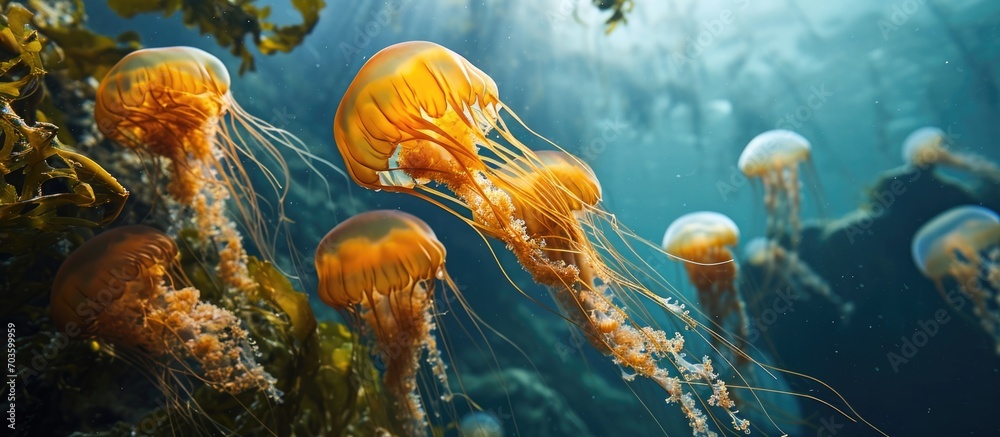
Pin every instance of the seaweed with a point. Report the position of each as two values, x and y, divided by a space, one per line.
328 378
618 10
232 21
78 51
47 191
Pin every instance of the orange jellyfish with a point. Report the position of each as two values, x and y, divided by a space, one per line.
175 104
120 287
928 146
774 157
962 245
533 199
792 272
382 267
419 114
704 241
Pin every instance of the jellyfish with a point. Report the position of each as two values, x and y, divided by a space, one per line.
792 272
774 157
175 104
480 424
928 146
418 117
382 267
962 245
122 287
703 239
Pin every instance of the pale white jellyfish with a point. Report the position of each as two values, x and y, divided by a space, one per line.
480 424
962 245
774 157
928 146
791 271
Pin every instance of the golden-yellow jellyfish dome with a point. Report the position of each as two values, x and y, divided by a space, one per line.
698 236
381 251
963 231
773 150
924 146
414 94
575 175
554 165
107 266
157 97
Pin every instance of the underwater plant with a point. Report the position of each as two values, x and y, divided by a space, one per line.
117 287
962 246
618 10
382 267
231 23
774 157
46 188
703 240
928 146
78 52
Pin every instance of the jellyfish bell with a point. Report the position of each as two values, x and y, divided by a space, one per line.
577 175
383 266
756 251
774 157
963 245
925 146
480 424
376 251
528 181
964 231
163 99
772 151
112 264
435 130
703 237
702 241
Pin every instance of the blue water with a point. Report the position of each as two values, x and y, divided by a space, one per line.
661 109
